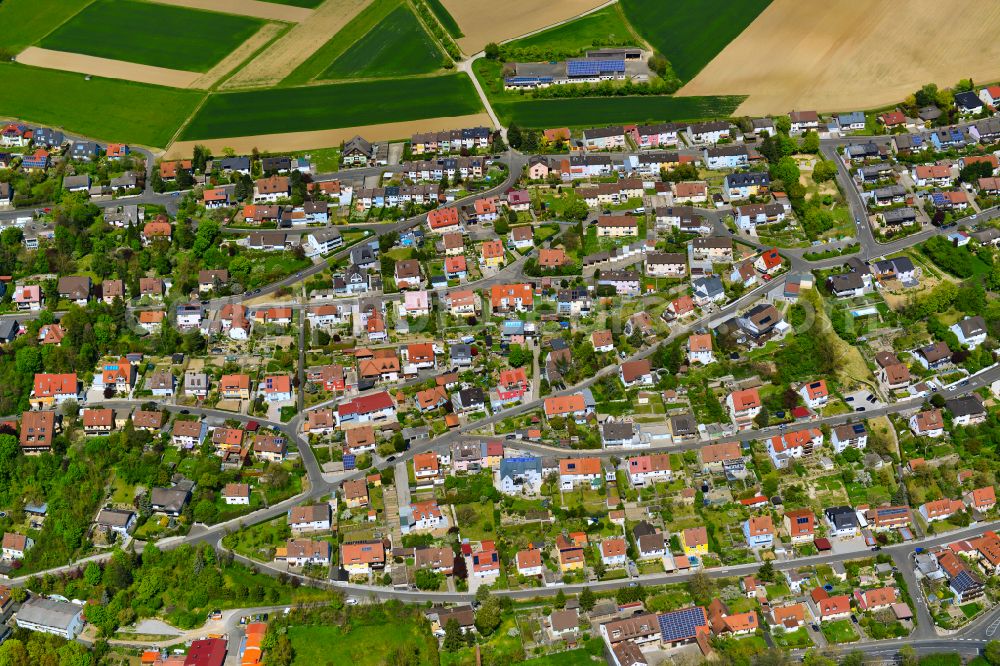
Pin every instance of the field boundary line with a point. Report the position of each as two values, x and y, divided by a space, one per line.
430 33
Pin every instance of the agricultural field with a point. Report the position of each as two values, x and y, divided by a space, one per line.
590 111
844 55
484 21
445 18
323 106
103 108
606 25
360 642
24 22
152 34
397 46
364 22
693 32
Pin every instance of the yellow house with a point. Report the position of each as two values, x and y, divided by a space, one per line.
571 559
695 541
493 254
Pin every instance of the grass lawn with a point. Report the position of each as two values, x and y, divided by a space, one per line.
840 631
24 22
970 610
397 46
365 21
590 111
445 18
107 109
794 639
476 529
607 25
153 34
360 644
322 107
693 31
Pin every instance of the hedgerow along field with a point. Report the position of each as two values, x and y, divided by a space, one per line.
24 22
691 32
109 109
397 46
330 106
152 34
605 26
448 21
591 111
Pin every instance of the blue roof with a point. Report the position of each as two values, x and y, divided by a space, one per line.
682 625
594 67
528 79
518 466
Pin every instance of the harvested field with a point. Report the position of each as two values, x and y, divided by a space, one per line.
267 32
485 21
294 141
112 69
282 57
264 10
844 55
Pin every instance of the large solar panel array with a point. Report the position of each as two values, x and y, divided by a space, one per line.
594 67
681 625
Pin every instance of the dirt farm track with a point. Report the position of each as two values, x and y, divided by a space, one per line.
843 55
293 141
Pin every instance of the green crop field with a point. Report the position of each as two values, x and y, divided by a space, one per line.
24 22
397 46
606 26
366 20
446 19
107 109
331 106
691 32
152 34
591 111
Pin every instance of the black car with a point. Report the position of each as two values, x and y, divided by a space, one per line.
390 458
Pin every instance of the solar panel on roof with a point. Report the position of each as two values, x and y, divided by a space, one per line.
349 461
594 67
681 625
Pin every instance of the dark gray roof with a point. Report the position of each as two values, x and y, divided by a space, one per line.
967 405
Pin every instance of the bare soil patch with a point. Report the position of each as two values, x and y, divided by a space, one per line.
271 11
293 141
267 32
282 57
114 69
844 55
485 21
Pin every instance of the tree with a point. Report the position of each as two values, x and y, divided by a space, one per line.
453 640
992 653
517 356
783 124
560 600
810 142
766 572
488 617
786 170
514 137
701 588
587 600
92 574
824 171
281 654
492 51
